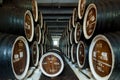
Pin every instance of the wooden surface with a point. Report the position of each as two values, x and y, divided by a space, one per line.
67 74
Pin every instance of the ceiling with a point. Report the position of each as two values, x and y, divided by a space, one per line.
56 14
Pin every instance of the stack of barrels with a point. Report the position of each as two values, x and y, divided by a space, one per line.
22 36
96 45
73 44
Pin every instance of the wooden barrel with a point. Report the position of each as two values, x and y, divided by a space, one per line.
100 17
34 54
58 51
68 46
70 24
40 19
45 27
42 37
82 55
24 4
74 17
65 42
64 48
62 43
16 22
35 10
72 36
40 51
74 53
38 33
68 51
67 30
47 41
55 48
82 5
81 8
44 48
104 56
88 32
51 64
14 57
77 32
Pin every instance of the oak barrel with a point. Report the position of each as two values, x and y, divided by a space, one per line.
77 32
40 51
31 5
82 55
34 54
104 56
70 24
14 57
51 63
100 18
74 17
38 33
40 19
42 37
72 36
82 5
15 22
74 53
